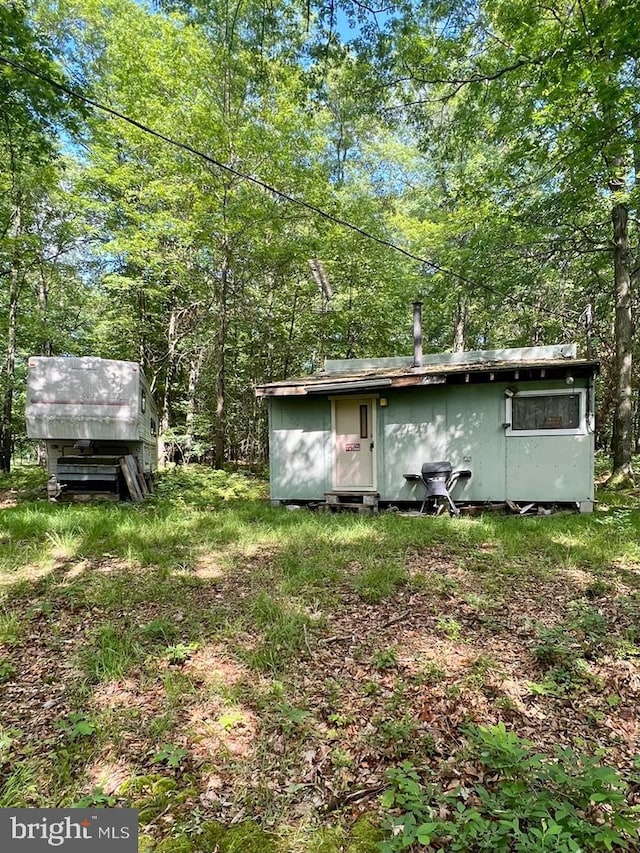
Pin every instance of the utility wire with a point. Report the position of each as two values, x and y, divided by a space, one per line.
343 223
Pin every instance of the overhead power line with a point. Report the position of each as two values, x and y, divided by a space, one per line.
337 220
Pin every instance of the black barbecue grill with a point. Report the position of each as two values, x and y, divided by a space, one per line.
439 478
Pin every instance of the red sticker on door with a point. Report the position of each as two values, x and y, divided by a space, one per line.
352 447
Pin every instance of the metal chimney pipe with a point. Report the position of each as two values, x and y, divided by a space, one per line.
417 334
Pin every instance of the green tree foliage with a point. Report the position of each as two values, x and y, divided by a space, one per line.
201 274
529 116
35 222
496 141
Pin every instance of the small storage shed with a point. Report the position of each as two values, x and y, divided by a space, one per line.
520 420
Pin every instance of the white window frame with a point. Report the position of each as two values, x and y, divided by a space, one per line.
581 429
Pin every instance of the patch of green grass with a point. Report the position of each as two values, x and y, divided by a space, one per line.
19 787
11 629
111 653
284 632
128 582
161 630
380 580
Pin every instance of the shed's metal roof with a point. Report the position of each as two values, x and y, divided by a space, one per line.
449 368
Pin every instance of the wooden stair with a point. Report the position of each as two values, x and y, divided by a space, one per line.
365 503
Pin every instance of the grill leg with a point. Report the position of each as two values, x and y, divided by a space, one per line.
452 507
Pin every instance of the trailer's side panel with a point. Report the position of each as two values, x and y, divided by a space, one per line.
83 398
91 412
147 426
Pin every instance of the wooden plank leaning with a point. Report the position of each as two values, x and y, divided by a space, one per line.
133 467
130 480
140 475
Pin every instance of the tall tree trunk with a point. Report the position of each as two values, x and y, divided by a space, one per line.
15 284
171 368
46 344
195 367
623 331
220 426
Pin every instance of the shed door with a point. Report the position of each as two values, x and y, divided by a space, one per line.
354 432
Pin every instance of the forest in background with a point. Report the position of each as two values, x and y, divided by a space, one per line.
496 144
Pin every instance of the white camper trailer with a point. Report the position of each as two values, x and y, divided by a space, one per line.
92 413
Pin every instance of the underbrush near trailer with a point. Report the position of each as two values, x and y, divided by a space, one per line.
256 679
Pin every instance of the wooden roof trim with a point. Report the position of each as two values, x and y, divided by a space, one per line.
336 383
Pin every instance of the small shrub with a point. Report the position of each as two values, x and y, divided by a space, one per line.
385 659
181 652
77 725
170 755
556 647
527 803
7 670
451 628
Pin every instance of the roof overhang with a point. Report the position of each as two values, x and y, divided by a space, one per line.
416 377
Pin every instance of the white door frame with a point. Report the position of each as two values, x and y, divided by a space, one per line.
366 398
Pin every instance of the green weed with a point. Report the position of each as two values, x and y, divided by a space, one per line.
77 725
285 632
97 798
170 755
11 629
112 652
7 670
397 737
527 802
19 787
385 659
555 647
450 627
181 652
160 630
